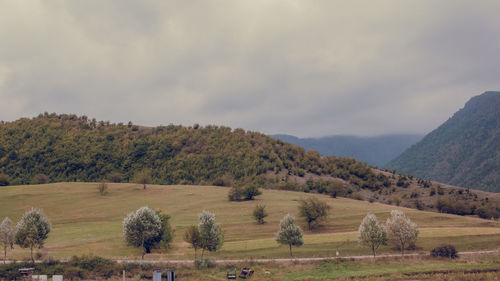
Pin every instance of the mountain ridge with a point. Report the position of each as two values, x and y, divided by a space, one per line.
375 151
463 151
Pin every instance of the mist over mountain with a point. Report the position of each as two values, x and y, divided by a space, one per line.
376 151
463 151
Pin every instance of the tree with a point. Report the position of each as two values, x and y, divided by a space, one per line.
167 232
103 188
211 236
192 236
372 233
259 213
141 228
40 179
250 191
7 235
289 234
243 193
403 231
4 180
313 210
32 230
143 177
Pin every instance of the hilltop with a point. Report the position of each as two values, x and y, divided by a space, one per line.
463 151
375 151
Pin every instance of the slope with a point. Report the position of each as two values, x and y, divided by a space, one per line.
464 151
84 222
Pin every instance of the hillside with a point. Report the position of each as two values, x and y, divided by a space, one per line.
375 151
84 222
72 148
67 148
464 151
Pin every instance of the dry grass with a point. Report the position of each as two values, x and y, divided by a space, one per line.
84 222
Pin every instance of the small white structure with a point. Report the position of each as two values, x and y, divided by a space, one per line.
57 278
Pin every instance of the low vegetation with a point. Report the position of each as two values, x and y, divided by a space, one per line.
446 251
260 213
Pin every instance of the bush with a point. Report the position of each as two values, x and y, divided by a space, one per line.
243 193
235 194
395 199
40 179
115 177
204 263
250 191
259 213
4 180
313 210
445 251
103 188
488 211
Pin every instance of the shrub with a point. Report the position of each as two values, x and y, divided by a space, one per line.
489 211
445 251
259 213
313 210
250 191
103 188
395 200
115 177
40 179
243 193
204 263
432 192
235 194
4 180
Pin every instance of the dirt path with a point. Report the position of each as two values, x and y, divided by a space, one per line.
190 262
283 260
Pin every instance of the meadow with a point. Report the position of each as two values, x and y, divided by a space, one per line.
87 223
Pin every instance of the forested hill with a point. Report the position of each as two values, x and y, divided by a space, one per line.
376 151
72 148
464 151
56 148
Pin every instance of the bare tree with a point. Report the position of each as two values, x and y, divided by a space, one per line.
143 177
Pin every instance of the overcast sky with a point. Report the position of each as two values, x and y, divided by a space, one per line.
307 68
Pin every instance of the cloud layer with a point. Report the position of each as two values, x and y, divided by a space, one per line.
308 68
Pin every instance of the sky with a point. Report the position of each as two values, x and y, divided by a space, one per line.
303 67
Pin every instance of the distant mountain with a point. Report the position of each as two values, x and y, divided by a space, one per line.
376 151
464 151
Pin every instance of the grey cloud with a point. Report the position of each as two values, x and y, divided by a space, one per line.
308 68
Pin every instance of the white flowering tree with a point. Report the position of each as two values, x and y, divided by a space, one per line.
403 231
32 230
289 234
142 227
372 233
7 236
211 235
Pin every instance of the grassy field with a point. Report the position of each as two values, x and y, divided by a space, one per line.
84 222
